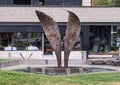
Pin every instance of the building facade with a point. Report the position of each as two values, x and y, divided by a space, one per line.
19 25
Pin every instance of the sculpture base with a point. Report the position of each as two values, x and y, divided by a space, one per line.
58 71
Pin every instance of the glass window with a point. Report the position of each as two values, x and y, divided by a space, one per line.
23 40
35 39
5 39
115 37
41 2
64 2
20 41
99 38
62 33
2 2
21 2
47 47
77 45
73 2
53 2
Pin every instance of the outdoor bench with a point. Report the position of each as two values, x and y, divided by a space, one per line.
100 59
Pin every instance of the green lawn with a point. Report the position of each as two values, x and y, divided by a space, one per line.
3 60
21 78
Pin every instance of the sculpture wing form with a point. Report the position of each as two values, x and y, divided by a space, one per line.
52 33
72 34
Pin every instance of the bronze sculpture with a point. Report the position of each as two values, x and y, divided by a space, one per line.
51 30
71 36
52 33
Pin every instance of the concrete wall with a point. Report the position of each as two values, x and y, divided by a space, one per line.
73 55
36 55
86 2
21 54
100 15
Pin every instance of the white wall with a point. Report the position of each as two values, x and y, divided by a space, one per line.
21 55
86 2
73 55
36 55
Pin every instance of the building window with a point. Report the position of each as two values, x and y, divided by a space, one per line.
22 2
21 40
72 2
77 45
64 2
115 37
41 2
53 2
47 47
5 38
99 38
2 2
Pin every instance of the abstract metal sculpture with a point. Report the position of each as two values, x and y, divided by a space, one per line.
72 34
52 33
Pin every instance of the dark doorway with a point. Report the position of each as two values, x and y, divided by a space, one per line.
22 2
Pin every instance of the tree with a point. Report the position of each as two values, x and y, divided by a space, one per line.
116 3
103 2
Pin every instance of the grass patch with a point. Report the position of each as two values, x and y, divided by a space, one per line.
21 78
3 60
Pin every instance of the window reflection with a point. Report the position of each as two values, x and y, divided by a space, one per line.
77 45
73 2
64 2
5 38
42 2
36 39
53 2
99 38
115 37
20 40
22 2
47 47
2 2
